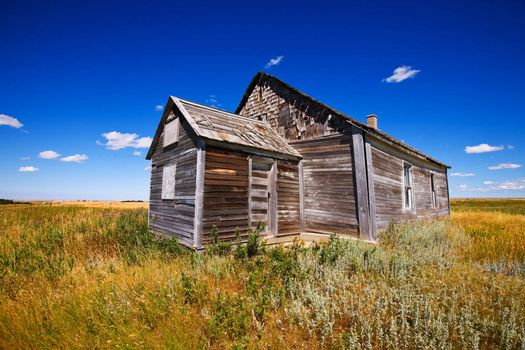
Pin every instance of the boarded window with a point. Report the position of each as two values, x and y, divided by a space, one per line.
433 190
409 192
171 132
168 181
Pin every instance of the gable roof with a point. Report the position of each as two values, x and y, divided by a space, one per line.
219 127
262 78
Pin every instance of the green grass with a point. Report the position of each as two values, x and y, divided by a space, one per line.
73 277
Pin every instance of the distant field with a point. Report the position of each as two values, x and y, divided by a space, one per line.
81 276
91 204
510 206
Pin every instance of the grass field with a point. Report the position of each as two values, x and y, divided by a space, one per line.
84 277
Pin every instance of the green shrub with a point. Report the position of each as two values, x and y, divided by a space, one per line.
230 317
217 247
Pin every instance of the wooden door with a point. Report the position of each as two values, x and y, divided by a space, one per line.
262 209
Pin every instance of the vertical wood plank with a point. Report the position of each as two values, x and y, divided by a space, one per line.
272 215
361 184
301 194
448 191
199 197
371 190
249 191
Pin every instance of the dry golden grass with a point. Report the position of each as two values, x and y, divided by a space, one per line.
96 204
85 277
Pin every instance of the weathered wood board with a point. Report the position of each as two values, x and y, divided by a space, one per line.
329 193
225 195
174 217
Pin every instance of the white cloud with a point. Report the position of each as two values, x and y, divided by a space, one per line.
505 166
402 73
48 155
10 121
518 184
212 101
137 153
28 169
25 158
510 147
75 158
116 140
274 61
159 108
511 185
483 148
462 174
148 168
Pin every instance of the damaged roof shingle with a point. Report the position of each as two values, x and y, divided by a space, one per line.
217 125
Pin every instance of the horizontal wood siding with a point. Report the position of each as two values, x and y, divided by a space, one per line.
288 206
291 114
442 195
225 194
389 190
329 194
174 217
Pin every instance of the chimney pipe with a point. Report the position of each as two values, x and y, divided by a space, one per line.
371 121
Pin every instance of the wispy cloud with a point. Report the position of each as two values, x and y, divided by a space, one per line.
274 61
510 147
137 153
505 166
25 158
402 73
212 101
116 140
159 108
483 148
492 186
148 168
28 169
518 184
75 158
462 174
48 155
10 121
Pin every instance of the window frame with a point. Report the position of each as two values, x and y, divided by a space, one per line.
408 188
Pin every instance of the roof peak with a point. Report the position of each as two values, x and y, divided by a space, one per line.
262 76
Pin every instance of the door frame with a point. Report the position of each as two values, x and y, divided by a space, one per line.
271 188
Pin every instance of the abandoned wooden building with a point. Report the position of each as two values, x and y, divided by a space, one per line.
289 162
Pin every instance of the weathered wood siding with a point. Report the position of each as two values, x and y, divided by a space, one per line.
225 194
288 206
329 193
389 185
292 115
174 217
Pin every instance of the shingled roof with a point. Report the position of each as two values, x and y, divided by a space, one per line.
218 127
262 78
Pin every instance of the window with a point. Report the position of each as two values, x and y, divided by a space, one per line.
168 181
171 132
409 192
433 189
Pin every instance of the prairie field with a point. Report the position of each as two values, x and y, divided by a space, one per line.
74 276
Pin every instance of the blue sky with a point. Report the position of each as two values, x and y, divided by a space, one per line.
72 72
